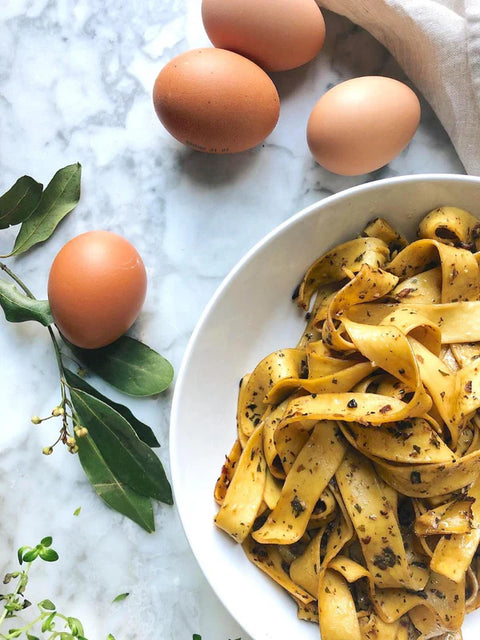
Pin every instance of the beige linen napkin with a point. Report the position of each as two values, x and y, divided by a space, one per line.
437 43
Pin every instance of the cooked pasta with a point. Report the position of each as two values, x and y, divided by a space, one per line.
354 480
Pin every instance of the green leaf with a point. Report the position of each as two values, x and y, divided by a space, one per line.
120 597
77 511
47 604
196 637
8 578
20 554
30 556
49 555
18 307
75 626
132 461
48 623
129 365
30 637
47 541
61 195
110 637
142 430
113 492
18 203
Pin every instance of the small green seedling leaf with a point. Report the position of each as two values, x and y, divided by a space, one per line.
75 626
47 604
48 623
120 597
49 555
20 553
30 556
47 541
77 511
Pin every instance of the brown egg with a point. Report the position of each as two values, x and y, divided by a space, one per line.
362 124
216 101
276 34
96 288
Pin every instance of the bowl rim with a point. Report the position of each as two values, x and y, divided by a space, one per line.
311 209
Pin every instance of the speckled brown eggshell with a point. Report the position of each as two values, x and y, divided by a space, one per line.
362 124
216 101
276 34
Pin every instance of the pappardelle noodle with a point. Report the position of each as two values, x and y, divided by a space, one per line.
354 481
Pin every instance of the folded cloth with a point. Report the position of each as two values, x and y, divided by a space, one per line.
437 43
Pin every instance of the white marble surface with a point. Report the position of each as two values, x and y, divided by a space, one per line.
75 84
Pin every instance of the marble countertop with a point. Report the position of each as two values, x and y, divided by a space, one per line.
75 85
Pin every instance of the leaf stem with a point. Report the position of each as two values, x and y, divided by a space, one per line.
27 627
58 354
14 277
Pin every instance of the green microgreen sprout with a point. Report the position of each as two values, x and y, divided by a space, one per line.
121 596
48 617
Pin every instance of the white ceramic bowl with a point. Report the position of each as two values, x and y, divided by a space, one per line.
250 315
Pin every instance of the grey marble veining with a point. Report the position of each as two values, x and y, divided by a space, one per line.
75 84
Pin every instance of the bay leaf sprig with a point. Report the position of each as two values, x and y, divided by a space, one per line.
114 447
40 216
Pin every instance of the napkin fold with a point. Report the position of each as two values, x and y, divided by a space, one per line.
437 43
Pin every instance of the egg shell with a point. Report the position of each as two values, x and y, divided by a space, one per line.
362 124
276 34
216 101
96 288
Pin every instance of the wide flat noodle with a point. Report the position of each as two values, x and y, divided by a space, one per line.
245 492
314 466
354 481
285 363
460 277
374 520
406 441
269 560
369 284
428 480
454 553
227 472
331 267
458 321
452 517
336 609
451 225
